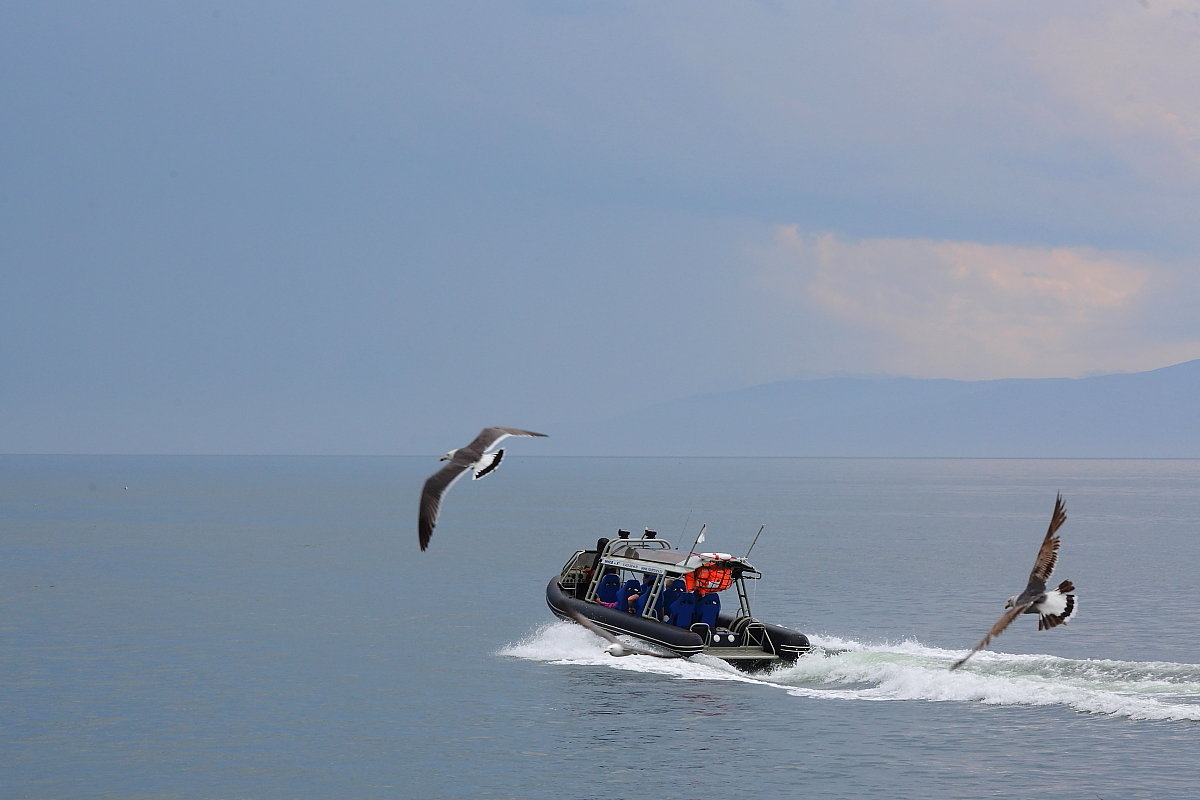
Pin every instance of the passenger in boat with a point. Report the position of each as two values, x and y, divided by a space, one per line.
683 611
627 597
668 598
585 580
606 592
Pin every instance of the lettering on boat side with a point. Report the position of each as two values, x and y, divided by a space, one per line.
627 563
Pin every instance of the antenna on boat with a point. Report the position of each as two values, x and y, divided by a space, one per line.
699 537
760 530
685 522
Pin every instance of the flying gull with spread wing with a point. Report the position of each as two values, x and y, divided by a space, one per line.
1055 606
617 647
473 457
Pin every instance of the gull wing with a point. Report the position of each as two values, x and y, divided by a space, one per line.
601 632
996 630
1047 556
489 437
593 627
436 485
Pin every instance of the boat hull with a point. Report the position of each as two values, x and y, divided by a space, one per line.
778 645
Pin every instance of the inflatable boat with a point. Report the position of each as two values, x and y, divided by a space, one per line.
677 601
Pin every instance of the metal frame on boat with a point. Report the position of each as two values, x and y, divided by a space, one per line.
671 599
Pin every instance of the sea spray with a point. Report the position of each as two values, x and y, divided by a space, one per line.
848 670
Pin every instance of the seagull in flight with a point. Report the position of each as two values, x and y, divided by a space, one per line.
1055 606
472 457
617 648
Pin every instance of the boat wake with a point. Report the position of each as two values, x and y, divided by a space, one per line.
848 670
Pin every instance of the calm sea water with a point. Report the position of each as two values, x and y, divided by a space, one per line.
267 628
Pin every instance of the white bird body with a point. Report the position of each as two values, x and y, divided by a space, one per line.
482 466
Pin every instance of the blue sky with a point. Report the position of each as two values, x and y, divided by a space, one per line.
377 227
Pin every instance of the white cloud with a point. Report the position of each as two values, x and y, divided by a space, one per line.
1128 74
968 310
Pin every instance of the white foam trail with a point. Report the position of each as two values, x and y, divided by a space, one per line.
848 670
567 643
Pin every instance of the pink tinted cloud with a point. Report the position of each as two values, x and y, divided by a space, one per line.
973 310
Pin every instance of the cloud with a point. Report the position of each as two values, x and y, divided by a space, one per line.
387 211
1127 75
968 310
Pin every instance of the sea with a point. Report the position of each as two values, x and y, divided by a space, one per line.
267 627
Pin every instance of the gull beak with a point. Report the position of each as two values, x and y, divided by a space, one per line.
444 458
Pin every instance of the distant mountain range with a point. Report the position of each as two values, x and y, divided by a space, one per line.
1153 414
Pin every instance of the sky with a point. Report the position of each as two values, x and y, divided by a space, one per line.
373 228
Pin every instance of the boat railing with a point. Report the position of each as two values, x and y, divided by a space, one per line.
631 545
743 598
